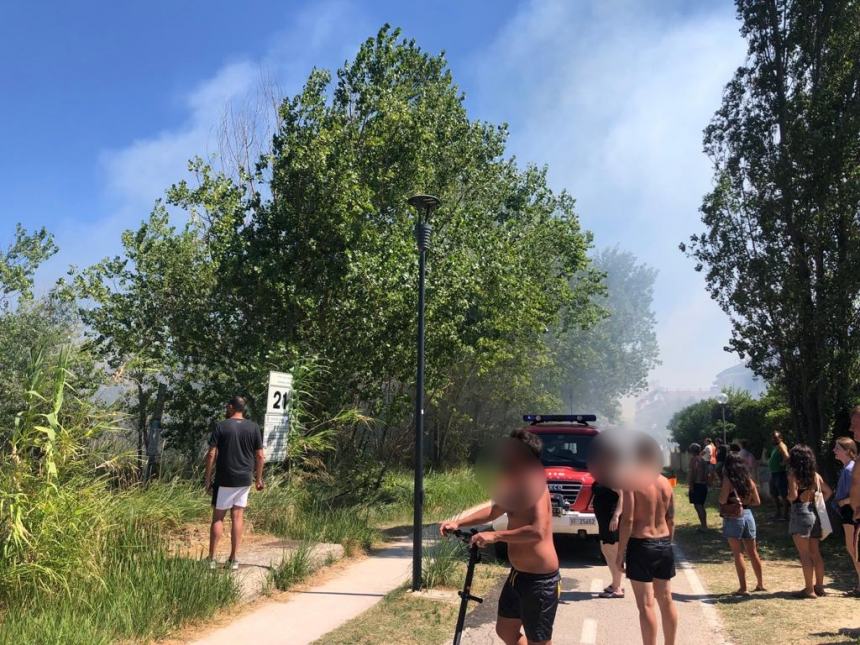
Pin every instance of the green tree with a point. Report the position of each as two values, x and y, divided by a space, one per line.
781 251
611 358
327 265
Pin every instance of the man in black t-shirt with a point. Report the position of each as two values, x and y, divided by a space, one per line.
236 452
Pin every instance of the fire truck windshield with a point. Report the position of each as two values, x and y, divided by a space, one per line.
560 449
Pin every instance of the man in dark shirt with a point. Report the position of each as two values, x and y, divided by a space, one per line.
236 452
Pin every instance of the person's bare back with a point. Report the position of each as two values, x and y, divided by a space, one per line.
653 510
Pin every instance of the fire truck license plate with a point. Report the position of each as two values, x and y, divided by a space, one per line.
582 520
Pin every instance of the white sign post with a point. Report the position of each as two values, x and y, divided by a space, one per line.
277 424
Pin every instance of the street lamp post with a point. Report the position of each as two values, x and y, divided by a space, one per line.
425 205
722 399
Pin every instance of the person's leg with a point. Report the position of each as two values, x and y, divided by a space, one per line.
215 530
510 631
751 549
740 565
848 529
817 564
703 515
668 611
237 516
802 545
644 592
610 552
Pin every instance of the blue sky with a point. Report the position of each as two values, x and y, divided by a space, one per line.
103 103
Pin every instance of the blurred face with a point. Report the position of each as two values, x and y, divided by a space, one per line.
230 411
855 425
776 438
841 454
521 480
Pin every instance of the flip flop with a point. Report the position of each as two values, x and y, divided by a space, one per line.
612 594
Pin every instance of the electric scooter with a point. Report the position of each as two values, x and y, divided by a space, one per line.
466 593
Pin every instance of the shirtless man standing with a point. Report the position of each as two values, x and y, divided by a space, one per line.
854 494
529 599
645 548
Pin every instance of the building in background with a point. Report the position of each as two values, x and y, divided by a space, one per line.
740 377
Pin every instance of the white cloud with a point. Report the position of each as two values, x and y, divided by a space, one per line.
614 97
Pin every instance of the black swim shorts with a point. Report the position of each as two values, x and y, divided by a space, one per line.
649 558
533 599
699 494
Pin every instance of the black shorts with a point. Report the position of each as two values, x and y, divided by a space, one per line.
650 558
699 494
533 599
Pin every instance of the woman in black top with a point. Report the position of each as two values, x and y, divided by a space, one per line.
603 464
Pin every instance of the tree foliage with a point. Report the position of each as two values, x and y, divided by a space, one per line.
314 258
601 363
781 251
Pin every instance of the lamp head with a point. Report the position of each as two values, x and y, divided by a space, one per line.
722 398
427 203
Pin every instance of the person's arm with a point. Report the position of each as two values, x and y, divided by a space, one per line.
482 514
259 460
754 497
210 464
854 493
625 526
725 490
616 515
534 531
670 515
783 450
792 487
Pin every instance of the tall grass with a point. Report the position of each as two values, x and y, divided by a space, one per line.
82 561
442 561
141 594
299 514
294 568
445 494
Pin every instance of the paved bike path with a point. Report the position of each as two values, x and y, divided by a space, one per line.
308 615
585 619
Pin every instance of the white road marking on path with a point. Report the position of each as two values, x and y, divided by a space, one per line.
596 585
588 636
696 586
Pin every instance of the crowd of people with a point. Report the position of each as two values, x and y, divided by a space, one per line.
634 506
801 496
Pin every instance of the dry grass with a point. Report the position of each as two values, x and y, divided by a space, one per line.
407 619
774 616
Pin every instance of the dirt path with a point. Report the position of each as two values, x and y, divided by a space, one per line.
307 615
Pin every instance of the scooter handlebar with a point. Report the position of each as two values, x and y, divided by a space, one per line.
465 535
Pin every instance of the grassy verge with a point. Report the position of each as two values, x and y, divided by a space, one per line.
140 594
772 617
410 619
445 493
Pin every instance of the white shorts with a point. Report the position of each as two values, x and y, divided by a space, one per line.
230 496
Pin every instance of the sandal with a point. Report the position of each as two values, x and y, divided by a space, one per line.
803 593
820 590
608 593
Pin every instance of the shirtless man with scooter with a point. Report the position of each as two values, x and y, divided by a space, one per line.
529 599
